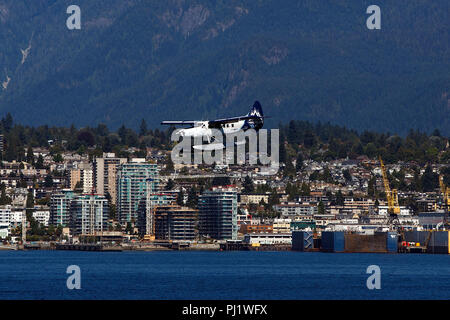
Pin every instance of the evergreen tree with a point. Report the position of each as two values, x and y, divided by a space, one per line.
282 151
30 155
248 186
169 165
48 181
321 208
371 188
180 198
429 180
4 199
7 123
274 198
305 190
170 185
40 162
58 158
339 198
299 162
192 198
326 175
143 128
221 181
347 175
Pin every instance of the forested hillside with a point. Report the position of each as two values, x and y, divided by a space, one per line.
305 60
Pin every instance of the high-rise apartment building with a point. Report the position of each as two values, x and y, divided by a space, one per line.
84 174
88 214
60 207
75 178
134 179
218 213
105 174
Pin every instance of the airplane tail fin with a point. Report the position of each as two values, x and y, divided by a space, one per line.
257 112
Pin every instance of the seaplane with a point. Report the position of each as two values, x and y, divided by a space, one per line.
203 128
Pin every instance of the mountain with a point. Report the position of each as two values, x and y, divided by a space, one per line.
306 60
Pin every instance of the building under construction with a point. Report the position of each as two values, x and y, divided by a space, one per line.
146 212
175 223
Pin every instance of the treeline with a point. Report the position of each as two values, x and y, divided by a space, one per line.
299 140
18 140
324 142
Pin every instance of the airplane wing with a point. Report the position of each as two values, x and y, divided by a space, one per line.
219 122
187 122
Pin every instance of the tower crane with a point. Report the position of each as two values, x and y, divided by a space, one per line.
391 195
445 193
446 198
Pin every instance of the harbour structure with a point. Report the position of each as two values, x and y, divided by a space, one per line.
218 213
429 241
339 241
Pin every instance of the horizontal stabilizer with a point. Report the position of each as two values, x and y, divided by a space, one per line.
181 122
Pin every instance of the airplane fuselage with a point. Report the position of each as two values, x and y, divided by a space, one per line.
201 129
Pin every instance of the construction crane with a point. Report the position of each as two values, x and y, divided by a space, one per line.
445 193
149 212
92 214
445 199
391 195
24 223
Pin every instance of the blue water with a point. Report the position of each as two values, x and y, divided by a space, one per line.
221 275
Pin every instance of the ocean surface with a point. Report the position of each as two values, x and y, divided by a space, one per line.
221 275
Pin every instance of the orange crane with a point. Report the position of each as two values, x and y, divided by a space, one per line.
391 195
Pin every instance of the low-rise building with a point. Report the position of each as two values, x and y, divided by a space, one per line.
42 216
254 198
268 238
289 209
383 210
256 228
282 225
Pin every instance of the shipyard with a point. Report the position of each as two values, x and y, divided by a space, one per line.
241 211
